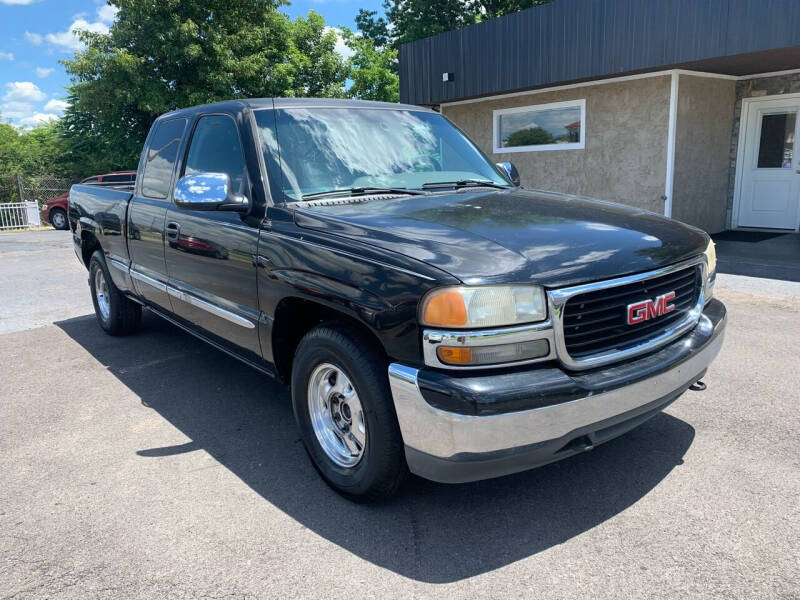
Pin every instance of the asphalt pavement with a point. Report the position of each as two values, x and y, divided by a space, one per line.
154 466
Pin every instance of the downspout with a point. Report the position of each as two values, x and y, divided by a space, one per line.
673 121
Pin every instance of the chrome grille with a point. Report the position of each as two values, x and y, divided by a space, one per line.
595 322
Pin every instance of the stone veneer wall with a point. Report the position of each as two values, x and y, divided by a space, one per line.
626 141
702 142
752 88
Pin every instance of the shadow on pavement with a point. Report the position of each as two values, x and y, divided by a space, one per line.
431 532
759 254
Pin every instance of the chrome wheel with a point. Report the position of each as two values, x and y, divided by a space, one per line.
58 219
336 415
101 293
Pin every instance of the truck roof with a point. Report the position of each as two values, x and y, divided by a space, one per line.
261 103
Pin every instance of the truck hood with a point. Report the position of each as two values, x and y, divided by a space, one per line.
512 235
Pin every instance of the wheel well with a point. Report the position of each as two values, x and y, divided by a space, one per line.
294 317
89 244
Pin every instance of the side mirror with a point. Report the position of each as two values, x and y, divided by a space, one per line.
511 172
208 191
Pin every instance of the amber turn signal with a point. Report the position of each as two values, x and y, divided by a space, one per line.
454 356
446 309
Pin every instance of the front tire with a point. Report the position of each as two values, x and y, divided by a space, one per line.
116 314
345 413
58 219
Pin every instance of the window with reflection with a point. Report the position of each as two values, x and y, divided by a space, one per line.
776 144
318 149
556 126
160 159
216 148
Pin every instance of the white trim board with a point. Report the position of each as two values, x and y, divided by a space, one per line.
593 82
569 86
671 131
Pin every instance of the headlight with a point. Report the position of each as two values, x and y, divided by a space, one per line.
464 307
711 260
44 206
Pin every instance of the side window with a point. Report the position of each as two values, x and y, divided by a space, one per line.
160 158
91 180
216 148
117 179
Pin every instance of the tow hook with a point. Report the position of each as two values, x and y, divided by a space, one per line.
698 386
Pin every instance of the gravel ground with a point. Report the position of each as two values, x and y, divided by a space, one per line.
154 466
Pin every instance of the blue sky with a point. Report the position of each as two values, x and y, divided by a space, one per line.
36 34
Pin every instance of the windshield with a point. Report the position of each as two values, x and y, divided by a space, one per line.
316 150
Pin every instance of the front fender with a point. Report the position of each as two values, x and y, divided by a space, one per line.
373 286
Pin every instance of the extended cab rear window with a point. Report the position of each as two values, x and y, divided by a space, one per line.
160 158
118 178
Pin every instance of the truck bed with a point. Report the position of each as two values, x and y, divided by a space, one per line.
100 211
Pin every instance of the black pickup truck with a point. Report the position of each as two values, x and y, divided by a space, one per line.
429 314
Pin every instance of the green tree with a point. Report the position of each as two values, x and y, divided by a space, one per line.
159 56
372 69
409 20
317 70
533 136
28 152
373 27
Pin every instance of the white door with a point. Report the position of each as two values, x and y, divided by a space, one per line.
770 177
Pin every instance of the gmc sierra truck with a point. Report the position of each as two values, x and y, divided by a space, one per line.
429 314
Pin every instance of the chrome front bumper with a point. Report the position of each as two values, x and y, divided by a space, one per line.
452 447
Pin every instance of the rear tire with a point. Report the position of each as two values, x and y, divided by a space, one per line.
116 314
340 372
58 219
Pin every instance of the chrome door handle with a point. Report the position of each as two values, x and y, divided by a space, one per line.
173 230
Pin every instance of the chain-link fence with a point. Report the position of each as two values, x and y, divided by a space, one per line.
9 189
42 188
21 198
38 189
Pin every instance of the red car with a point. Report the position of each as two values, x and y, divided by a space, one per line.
54 211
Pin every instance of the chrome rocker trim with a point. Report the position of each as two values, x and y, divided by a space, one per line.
193 300
155 283
209 307
557 299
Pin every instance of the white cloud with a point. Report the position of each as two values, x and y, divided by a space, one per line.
34 38
68 40
41 72
20 2
107 13
19 104
56 106
6 56
37 119
340 48
25 114
23 91
16 110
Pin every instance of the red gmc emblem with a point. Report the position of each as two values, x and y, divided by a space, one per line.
639 312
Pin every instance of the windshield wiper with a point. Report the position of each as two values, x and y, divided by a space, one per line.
461 183
362 191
